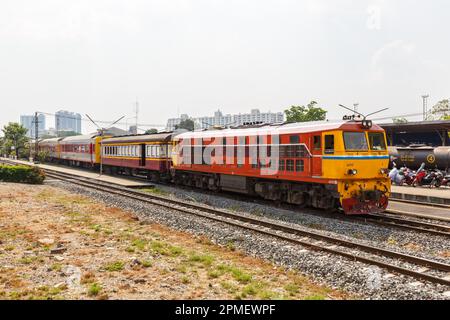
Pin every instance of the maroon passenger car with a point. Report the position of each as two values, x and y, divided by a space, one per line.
148 155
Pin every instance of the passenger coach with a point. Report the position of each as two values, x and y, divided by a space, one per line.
141 154
52 148
82 151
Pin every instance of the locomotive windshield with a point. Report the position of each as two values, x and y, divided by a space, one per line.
355 141
377 142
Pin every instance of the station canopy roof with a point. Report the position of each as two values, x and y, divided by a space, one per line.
421 126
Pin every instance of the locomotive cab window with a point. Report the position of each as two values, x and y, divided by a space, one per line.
355 141
376 141
317 142
329 144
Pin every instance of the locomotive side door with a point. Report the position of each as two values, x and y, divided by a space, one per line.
143 155
316 150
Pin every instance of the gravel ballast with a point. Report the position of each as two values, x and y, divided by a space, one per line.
367 281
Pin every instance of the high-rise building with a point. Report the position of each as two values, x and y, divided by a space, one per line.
229 119
28 122
68 121
173 122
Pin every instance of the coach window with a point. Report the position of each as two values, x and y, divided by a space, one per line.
157 151
281 166
329 144
317 142
294 139
299 166
290 165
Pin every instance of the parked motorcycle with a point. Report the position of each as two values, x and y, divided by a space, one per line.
433 178
446 181
409 176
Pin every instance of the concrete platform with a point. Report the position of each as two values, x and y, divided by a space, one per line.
422 194
421 211
120 181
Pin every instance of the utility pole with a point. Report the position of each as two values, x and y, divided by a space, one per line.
425 106
36 135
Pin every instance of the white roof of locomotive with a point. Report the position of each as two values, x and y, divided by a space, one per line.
289 128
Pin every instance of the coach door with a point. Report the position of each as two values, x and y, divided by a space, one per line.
316 160
143 155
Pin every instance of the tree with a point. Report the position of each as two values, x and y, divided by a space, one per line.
15 138
187 124
400 120
151 131
440 111
311 112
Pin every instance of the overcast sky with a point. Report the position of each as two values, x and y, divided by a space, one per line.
196 56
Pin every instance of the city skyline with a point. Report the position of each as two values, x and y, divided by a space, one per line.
219 119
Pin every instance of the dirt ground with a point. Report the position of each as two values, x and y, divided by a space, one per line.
56 245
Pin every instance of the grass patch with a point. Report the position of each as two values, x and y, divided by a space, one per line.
230 287
291 288
155 191
56 267
185 280
205 259
114 266
240 275
147 263
214 274
165 249
94 289
96 227
268 295
139 244
27 260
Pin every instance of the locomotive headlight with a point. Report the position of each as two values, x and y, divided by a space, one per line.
352 172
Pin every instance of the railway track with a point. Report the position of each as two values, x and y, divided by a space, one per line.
408 224
386 219
416 267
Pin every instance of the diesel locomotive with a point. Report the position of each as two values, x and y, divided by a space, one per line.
342 165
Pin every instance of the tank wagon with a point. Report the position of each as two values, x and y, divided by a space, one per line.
414 156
